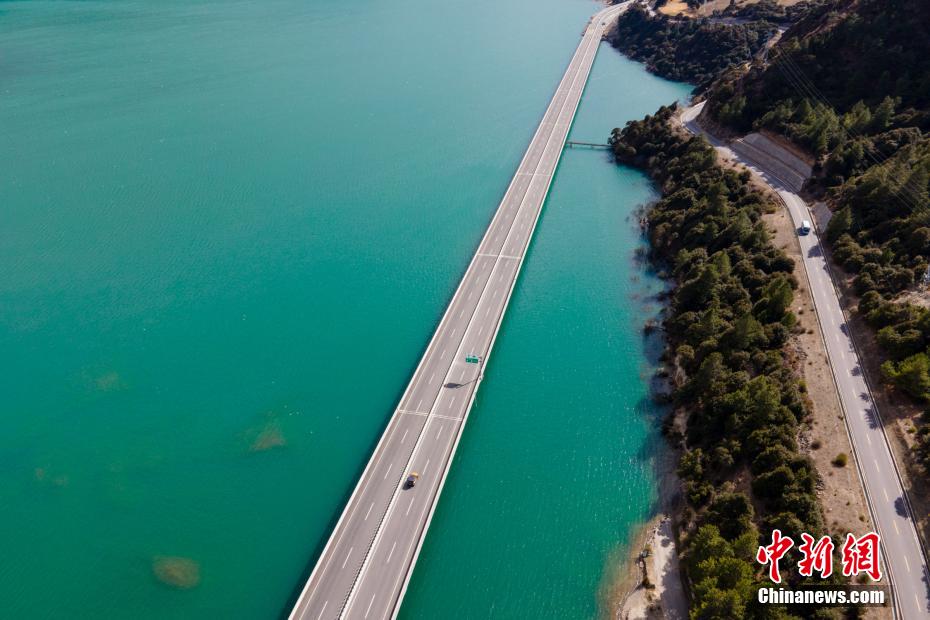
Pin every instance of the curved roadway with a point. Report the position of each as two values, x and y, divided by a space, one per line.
364 569
891 511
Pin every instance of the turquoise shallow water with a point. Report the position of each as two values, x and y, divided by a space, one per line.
228 225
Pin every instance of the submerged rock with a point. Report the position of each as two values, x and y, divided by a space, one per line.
268 438
109 382
42 476
177 572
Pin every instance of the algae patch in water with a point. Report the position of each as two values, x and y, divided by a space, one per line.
42 477
177 572
109 382
268 437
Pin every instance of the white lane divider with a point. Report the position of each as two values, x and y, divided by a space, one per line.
506 256
435 415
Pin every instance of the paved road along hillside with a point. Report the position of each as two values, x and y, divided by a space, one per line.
891 511
364 569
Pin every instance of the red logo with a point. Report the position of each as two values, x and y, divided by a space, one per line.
773 553
817 557
861 555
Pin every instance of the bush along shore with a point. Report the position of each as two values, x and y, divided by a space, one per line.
738 405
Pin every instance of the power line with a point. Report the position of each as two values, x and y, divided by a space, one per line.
789 66
807 89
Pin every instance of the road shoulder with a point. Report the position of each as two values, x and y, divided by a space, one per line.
899 414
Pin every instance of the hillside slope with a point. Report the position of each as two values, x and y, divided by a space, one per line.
850 83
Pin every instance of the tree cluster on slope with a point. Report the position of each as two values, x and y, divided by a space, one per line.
728 323
768 10
904 333
851 84
847 53
689 50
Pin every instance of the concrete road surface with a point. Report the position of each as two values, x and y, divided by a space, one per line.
364 569
903 555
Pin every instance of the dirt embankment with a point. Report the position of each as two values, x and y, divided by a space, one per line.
650 584
681 8
659 592
825 437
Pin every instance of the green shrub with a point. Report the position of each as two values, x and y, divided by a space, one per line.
729 318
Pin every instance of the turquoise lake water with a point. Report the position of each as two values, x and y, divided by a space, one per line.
227 231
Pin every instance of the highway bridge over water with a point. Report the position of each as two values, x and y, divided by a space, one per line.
365 566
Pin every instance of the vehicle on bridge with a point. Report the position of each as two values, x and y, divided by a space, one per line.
411 480
805 227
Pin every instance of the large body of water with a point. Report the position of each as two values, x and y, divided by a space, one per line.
227 231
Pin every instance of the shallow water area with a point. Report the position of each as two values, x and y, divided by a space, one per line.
229 229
